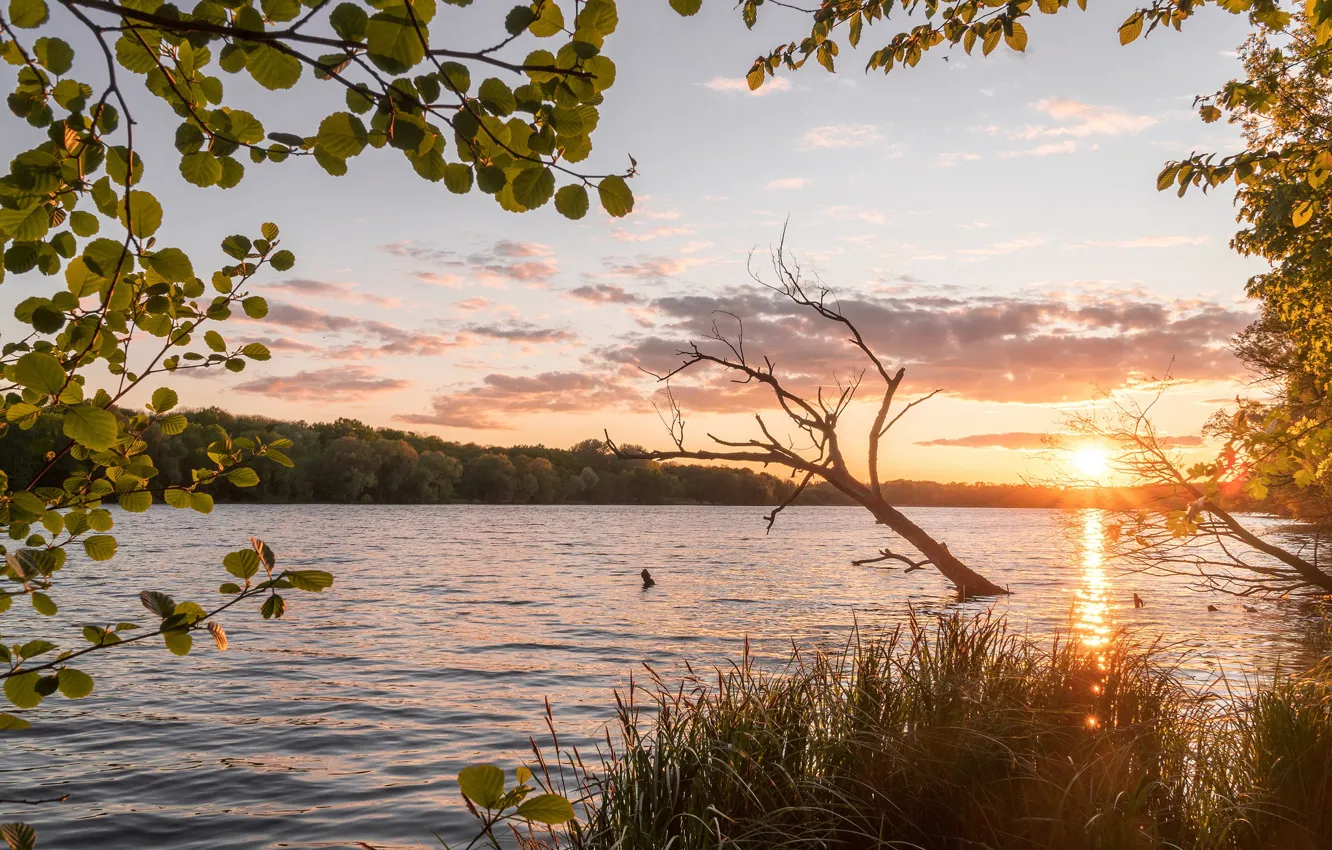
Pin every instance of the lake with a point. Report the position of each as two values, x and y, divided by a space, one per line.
344 724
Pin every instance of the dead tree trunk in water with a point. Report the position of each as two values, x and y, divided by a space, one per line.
818 418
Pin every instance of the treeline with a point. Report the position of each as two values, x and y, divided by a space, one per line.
349 461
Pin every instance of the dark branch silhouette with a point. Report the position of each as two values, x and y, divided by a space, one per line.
817 419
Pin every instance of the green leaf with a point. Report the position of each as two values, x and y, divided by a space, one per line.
176 497
91 426
243 563
74 684
171 264
164 398
158 603
310 580
687 8
533 187
496 97
215 341
342 135
100 547
229 587
518 19
21 690
393 42
28 14
34 648
274 607
83 223
142 216
43 604
202 168
178 641
255 306
348 21
549 809
136 502
201 502
616 197
273 69
550 21
172 425
11 723
282 261
257 351
483 784
571 201
243 476
458 178
40 372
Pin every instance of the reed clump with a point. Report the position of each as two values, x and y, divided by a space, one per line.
959 733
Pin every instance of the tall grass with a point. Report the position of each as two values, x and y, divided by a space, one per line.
958 733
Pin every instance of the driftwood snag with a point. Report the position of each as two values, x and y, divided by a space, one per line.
817 417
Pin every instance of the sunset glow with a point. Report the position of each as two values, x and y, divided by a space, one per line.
1091 462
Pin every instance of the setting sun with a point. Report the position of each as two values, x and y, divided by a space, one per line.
1090 461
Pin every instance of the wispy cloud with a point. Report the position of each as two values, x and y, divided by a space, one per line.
728 84
605 293
1008 246
840 136
1044 149
788 183
337 383
529 263
648 235
499 398
949 159
332 291
1080 120
852 213
1146 242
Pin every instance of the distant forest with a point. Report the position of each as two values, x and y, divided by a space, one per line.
348 461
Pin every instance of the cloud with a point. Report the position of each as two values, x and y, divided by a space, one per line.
727 84
499 398
370 338
1013 440
1081 120
788 183
849 213
1030 349
694 247
1009 246
518 331
333 291
337 383
1028 441
647 235
1146 242
651 268
1046 149
605 293
475 303
840 137
528 263
948 160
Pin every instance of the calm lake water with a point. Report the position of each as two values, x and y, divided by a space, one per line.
344 724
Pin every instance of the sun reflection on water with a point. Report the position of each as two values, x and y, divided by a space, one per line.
1091 605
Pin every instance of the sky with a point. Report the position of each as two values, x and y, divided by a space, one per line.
991 224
